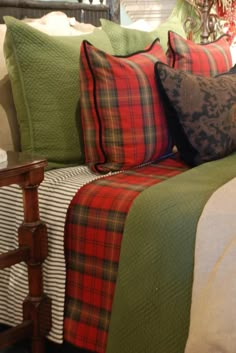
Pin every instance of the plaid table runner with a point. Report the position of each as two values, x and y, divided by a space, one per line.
93 235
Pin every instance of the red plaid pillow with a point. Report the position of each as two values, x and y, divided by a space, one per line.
202 59
122 115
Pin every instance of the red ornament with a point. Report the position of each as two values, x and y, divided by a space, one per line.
228 15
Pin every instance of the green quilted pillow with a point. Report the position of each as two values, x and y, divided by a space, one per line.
126 41
174 24
44 74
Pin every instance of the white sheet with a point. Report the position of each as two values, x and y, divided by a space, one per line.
213 310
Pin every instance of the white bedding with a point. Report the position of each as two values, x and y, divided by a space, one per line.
55 194
213 310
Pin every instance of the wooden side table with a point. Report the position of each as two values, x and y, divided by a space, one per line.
28 172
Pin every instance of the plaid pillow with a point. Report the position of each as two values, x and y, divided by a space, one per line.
201 59
122 115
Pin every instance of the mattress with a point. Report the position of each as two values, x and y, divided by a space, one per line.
55 194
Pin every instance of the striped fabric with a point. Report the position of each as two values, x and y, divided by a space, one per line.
123 119
202 59
55 194
93 237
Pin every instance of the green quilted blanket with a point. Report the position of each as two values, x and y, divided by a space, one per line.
153 293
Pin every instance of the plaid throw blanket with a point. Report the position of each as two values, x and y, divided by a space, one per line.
93 235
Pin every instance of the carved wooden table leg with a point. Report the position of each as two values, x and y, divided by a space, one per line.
32 234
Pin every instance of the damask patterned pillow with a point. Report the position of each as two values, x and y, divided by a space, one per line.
123 117
201 59
201 113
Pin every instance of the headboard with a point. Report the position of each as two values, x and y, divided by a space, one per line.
86 13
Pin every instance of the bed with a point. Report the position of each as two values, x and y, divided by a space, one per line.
100 272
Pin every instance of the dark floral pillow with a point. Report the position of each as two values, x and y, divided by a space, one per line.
201 113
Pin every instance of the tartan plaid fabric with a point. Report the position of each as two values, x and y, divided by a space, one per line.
123 119
202 59
93 236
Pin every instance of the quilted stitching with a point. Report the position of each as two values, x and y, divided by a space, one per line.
44 74
126 41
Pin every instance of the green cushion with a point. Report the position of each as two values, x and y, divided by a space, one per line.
44 74
126 41
174 24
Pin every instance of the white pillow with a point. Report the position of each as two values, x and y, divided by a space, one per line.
57 23
9 132
141 25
